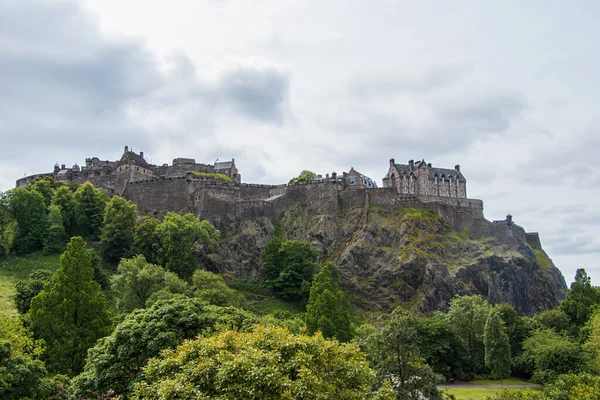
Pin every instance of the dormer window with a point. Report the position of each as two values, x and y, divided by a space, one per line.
435 179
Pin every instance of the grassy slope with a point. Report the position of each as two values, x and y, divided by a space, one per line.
13 269
483 393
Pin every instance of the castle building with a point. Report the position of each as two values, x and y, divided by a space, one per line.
420 178
355 180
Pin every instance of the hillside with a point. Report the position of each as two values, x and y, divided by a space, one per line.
405 256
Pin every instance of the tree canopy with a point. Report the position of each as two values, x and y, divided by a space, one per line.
116 238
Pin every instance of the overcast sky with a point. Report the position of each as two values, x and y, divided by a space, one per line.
509 90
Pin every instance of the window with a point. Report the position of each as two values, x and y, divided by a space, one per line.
454 193
440 192
435 179
393 179
404 178
412 189
448 192
353 180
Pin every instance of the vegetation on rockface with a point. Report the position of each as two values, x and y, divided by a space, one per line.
267 363
305 176
222 177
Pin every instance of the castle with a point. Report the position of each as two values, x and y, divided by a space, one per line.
216 193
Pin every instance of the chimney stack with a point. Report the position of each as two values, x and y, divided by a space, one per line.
392 162
142 154
457 168
411 163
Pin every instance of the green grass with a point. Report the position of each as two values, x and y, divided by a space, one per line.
542 258
214 175
474 394
507 381
13 269
273 305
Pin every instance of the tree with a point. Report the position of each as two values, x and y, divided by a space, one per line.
63 198
518 328
116 361
70 314
580 299
267 363
45 187
56 237
8 225
467 317
22 374
554 319
116 238
137 280
29 210
89 210
290 268
394 353
212 288
305 176
497 346
145 240
547 354
328 309
180 239
28 289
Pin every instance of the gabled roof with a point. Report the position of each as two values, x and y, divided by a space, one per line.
406 169
130 156
223 165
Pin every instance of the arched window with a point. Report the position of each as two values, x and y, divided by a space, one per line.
393 179
435 179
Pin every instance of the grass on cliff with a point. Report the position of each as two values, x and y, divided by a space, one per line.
17 268
542 259
214 176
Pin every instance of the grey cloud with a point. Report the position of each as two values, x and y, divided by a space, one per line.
256 92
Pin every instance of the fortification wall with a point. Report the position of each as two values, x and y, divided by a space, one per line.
168 194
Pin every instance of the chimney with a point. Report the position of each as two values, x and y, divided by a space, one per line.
457 168
429 165
142 154
126 149
62 166
392 162
411 163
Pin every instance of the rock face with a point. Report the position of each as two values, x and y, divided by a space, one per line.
405 256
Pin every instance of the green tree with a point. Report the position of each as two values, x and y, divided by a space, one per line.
328 309
116 238
554 319
116 361
56 238
305 176
267 363
467 317
578 305
137 280
8 225
145 240
29 210
29 288
518 328
64 198
547 354
22 374
181 238
291 268
45 187
212 288
394 353
89 210
70 314
497 346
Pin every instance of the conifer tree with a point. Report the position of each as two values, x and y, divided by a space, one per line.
56 238
70 314
116 238
497 346
89 210
328 310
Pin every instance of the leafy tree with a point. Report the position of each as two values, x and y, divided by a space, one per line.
556 320
547 354
64 198
69 314
592 344
518 328
89 210
467 317
180 239
497 346
22 374
305 176
291 267
45 187
56 238
440 347
116 238
328 309
28 289
29 210
137 280
270 257
580 299
212 288
145 240
116 361
268 363
394 353
8 225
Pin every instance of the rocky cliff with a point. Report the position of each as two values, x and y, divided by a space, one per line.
389 257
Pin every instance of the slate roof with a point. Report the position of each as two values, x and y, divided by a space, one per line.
403 168
136 158
223 165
